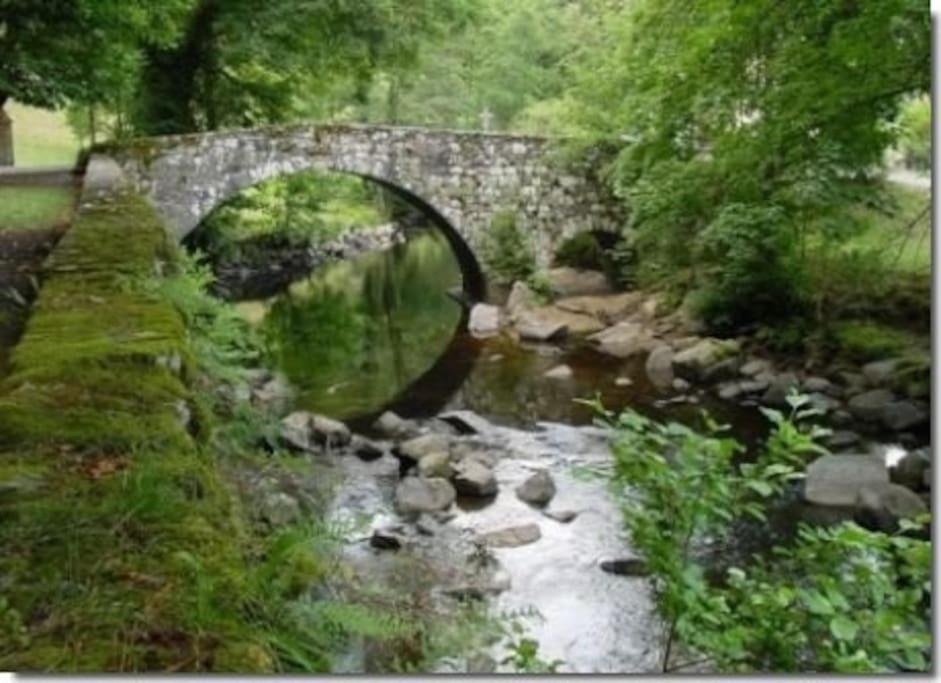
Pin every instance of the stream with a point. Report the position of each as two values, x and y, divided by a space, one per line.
380 332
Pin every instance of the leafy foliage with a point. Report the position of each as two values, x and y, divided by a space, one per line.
839 599
507 251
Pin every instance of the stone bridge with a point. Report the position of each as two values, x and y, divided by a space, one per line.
460 179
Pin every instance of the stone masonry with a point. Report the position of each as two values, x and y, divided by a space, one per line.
463 177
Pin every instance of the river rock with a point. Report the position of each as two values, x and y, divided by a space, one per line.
392 426
417 448
521 298
870 405
484 320
729 391
901 415
753 386
825 404
681 385
910 470
842 439
624 340
275 393
659 367
818 385
386 539
623 381
567 282
329 432
838 479
415 495
365 449
467 421
437 464
472 478
538 489
755 367
609 309
278 508
561 516
881 506
779 388
881 373
550 316
535 328
561 372
629 566
295 431
853 382
512 537
695 362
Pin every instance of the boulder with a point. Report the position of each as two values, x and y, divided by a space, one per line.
521 298
394 427
568 282
561 372
902 415
473 478
278 508
535 328
576 324
466 421
695 362
295 431
881 373
484 320
870 405
629 566
910 470
512 537
881 506
417 448
659 367
415 495
779 388
755 367
538 489
624 340
609 309
437 464
838 479
561 516
329 432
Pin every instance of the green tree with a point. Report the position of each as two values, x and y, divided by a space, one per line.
243 63
765 105
81 51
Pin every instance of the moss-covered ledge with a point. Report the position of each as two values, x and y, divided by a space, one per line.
121 548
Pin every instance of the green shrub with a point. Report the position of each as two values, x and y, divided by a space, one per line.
507 251
865 341
915 133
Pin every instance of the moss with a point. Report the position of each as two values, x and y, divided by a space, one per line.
865 341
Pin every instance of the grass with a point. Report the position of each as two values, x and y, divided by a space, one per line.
902 234
34 208
41 137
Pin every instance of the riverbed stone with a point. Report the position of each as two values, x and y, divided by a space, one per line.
753 386
696 362
437 464
387 539
521 298
568 282
472 478
836 480
536 328
467 421
818 385
561 516
329 432
512 537
417 448
729 391
392 426
659 367
910 470
577 324
560 372
754 367
869 405
624 340
484 320
881 373
415 495
681 385
780 388
295 431
627 566
366 449
278 508
538 489
901 415
842 439
825 404
609 309
882 506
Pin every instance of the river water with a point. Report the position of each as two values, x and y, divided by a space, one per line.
381 332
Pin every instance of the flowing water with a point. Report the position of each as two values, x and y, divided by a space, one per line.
380 332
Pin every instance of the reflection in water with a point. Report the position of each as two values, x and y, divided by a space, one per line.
356 333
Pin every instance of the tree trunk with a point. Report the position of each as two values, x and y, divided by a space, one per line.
6 135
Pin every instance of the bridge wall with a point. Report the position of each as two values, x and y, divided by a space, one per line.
466 177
